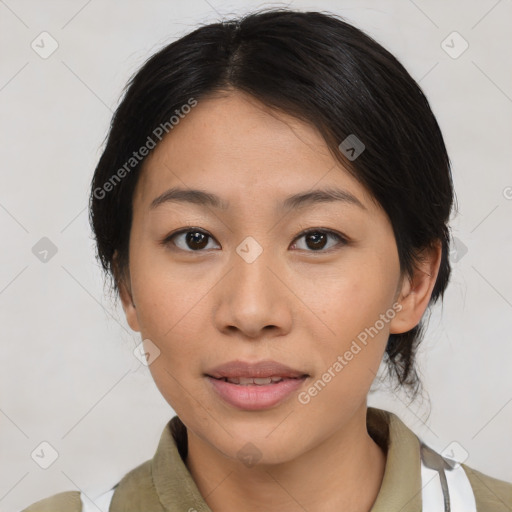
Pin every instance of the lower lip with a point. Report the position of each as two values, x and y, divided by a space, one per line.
253 397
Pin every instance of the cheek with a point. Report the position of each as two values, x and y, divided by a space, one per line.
169 300
349 357
353 296
172 315
354 310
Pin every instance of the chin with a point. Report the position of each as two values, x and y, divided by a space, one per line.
254 446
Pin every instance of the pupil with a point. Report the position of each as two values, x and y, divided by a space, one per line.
315 238
192 239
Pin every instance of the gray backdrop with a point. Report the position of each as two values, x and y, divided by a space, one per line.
68 374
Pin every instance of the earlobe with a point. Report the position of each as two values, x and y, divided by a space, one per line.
416 290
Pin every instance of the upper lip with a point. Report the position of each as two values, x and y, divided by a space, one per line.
260 369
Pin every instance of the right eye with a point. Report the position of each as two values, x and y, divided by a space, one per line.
191 239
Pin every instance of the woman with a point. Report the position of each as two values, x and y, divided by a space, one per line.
272 207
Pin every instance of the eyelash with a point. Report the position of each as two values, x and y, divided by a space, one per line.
191 229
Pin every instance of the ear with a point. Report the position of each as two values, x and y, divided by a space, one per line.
125 293
415 290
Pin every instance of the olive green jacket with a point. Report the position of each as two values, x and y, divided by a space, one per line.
164 484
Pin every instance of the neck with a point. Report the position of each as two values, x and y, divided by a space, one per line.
344 472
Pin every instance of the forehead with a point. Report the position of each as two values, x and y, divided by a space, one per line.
235 146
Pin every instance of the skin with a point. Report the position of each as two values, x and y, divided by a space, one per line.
294 304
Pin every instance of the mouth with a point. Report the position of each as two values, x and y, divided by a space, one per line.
265 369
257 393
254 385
256 381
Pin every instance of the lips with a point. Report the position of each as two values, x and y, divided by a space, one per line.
259 373
252 397
254 386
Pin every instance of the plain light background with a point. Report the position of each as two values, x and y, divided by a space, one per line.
68 374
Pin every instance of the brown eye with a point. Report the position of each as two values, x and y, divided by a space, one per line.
191 240
316 240
196 240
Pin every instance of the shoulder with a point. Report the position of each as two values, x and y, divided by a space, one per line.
491 494
134 489
63 502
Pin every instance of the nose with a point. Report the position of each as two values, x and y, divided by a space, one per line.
253 300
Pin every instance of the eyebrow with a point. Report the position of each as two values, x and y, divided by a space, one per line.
294 202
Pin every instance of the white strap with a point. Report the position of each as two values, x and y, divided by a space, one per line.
462 498
101 503
461 493
432 493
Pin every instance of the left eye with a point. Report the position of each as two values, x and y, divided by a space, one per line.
194 240
316 239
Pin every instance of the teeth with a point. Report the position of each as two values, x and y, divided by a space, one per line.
247 381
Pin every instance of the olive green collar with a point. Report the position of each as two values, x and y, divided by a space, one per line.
400 490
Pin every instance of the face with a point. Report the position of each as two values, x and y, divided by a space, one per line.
259 277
